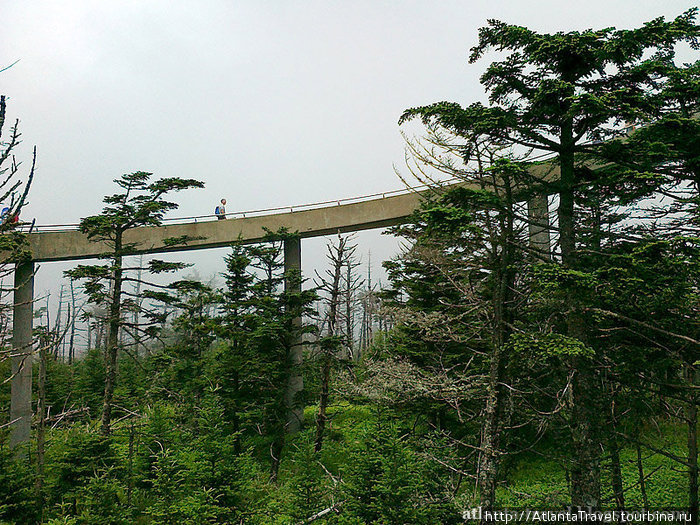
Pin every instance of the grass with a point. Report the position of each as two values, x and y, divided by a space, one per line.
536 481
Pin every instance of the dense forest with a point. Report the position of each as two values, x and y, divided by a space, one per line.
536 345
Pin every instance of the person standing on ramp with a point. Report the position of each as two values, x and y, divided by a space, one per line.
220 210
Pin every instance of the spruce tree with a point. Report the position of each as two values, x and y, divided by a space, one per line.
140 203
561 93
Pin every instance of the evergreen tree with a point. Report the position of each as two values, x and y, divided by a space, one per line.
140 203
234 327
557 93
459 283
260 324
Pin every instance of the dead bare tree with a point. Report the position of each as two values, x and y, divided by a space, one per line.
13 251
351 285
369 302
333 341
12 242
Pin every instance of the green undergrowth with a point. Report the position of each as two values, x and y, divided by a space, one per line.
373 460
535 481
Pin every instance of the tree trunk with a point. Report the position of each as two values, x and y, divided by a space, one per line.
236 419
57 328
488 457
565 212
276 453
71 344
112 346
99 334
616 472
337 257
642 481
41 424
502 309
616 479
585 471
137 311
692 419
349 339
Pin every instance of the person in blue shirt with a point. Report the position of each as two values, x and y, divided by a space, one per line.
220 210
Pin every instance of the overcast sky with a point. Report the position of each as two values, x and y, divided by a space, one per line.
269 103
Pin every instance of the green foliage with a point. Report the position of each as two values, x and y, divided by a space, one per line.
588 76
88 381
78 456
307 487
551 278
17 496
385 481
102 499
482 333
545 346
139 204
258 324
15 244
157 266
58 382
196 475
176 499
537 482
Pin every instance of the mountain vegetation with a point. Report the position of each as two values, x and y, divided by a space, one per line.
536 346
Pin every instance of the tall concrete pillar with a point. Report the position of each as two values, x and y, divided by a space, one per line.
538 227
21 389
295 381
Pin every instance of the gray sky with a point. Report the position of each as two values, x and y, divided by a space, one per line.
269 103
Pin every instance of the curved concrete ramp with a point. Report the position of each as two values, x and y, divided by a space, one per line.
375 213
363 215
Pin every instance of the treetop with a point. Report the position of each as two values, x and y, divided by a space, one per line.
578 54
139 204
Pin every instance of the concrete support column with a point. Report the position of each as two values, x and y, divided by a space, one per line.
538 227
295 381
21 390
